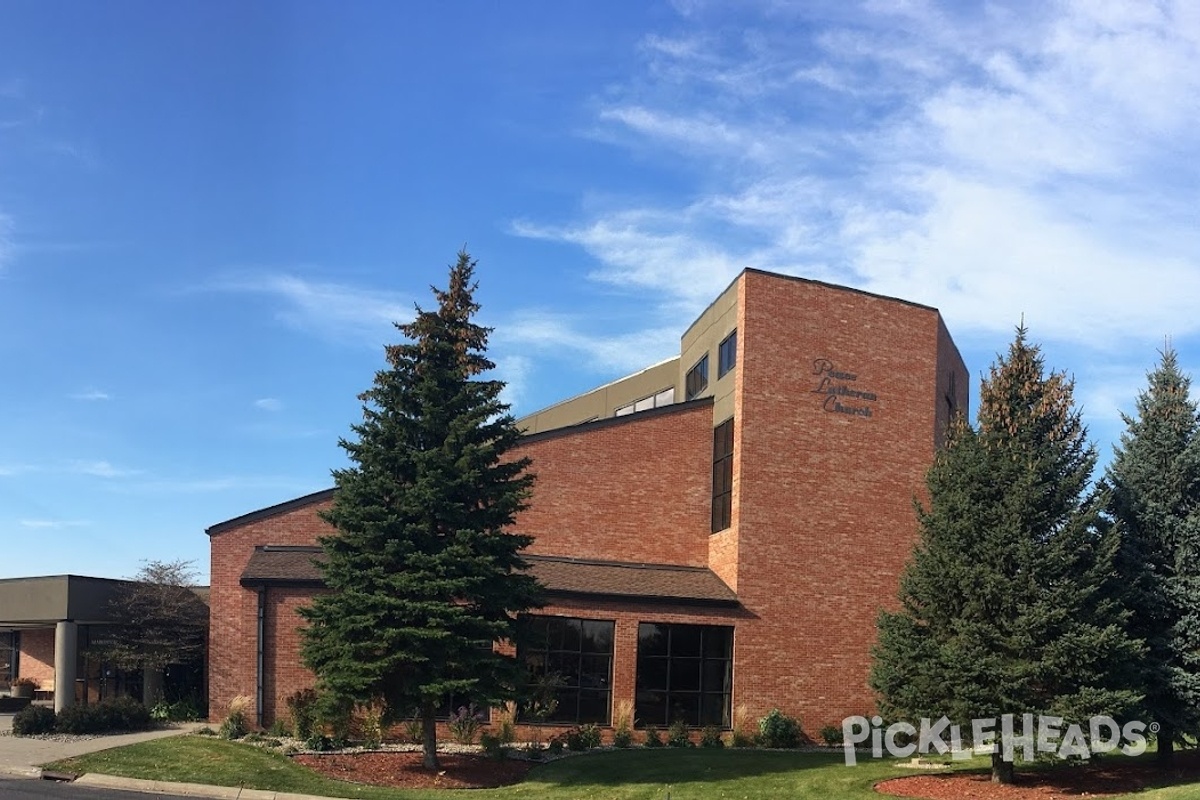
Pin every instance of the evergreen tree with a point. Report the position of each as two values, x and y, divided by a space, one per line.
1008 603
1154 482
423 575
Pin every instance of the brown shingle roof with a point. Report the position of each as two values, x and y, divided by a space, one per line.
274 564
277 564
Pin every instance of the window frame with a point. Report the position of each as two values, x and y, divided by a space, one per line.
649 667
722 485
548 654
696 379
727 354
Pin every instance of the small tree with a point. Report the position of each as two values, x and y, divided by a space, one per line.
159 621
1155 500
422 569
1008 603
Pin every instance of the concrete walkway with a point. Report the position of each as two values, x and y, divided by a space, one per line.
20 757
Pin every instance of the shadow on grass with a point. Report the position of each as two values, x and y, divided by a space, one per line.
677 766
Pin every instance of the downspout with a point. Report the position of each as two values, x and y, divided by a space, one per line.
258 657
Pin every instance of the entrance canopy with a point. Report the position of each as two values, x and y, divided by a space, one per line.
46 601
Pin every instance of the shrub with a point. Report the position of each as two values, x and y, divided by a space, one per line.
319 743
623 724
575 740
414 732
186 710
120 714
742 736
278 729
334 717
779 730
303 707
126 714
235 725
590 735
653 739
33 720
831 735
678 734
493 746
711 737
372 728
465 723
506 726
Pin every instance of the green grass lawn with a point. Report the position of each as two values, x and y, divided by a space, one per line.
620 775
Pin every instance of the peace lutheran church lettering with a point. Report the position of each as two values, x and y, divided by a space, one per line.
838 394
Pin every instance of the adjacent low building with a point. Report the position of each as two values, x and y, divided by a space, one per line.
717 531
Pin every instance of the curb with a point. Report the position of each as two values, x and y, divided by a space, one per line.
21 772
100 781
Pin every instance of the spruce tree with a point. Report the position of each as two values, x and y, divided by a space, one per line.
1154 481
423 573
1008 605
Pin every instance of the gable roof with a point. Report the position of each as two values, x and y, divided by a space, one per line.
272 511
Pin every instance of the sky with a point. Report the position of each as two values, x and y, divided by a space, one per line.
211 213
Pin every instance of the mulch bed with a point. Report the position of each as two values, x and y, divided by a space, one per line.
1113 776
405 770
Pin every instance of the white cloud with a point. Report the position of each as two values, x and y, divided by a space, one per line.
224 483
514 370
53 524
91 395
101 469
623 352
329 309
993 161
268 404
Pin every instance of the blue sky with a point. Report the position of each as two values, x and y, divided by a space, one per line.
210 212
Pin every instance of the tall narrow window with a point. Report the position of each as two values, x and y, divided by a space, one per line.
727 355
697 378
573 657
722 491
684 674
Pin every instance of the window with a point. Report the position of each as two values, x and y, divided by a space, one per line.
578 652
697 378
684 673
727 355
10 648
722 487
664 398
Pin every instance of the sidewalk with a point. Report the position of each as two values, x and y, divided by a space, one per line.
20 757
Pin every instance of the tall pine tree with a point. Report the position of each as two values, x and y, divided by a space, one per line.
1008 603
1154 482
423 573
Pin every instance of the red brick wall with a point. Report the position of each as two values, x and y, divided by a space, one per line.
234 608
37 657
823 520
826 518
637 489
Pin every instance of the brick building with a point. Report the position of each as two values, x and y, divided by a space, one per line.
718 529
